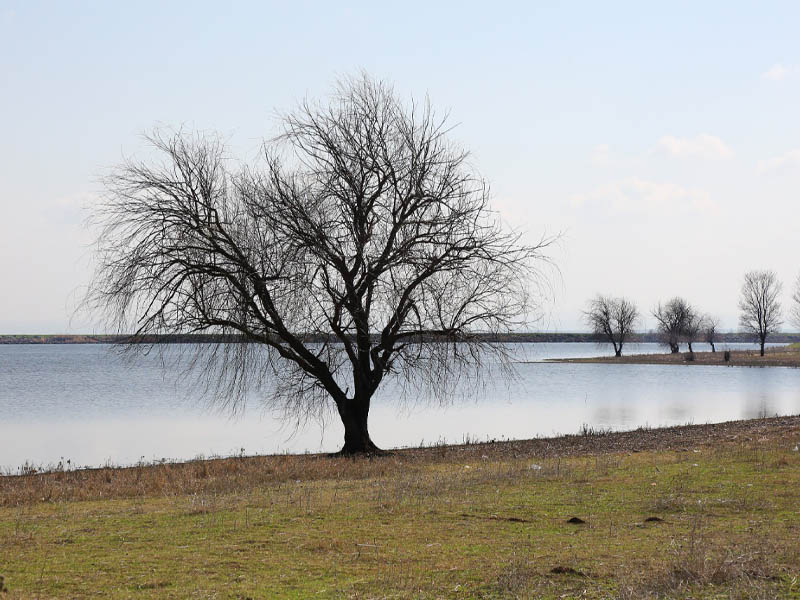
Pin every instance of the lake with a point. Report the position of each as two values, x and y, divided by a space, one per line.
86 404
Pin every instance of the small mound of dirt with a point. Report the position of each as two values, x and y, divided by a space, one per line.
560 570
576 521
654 520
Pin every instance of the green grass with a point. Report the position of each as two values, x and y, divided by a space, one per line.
492 527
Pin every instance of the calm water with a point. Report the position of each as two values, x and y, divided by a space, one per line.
86 404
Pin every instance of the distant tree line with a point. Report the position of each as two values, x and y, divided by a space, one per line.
638 337
614 319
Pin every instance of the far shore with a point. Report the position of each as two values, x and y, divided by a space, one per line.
509 338
787 356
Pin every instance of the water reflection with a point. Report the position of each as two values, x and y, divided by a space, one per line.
758 406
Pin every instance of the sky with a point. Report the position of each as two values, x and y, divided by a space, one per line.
661 143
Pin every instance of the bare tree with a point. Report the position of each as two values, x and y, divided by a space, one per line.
795 309
612 318
672 320
362 247
761 310
709 329
692 327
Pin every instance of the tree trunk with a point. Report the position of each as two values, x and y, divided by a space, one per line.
618 352
673 348
354 416
690 348
712 347
762 346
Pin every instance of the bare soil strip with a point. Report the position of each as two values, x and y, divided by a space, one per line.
788 356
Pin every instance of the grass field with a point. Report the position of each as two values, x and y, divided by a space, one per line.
694 512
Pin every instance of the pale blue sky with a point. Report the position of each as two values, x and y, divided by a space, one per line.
663 141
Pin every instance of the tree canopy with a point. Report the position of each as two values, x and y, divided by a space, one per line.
362 245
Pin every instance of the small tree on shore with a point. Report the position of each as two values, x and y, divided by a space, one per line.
795 306
709 330
613 319
692 327
672 319
759 305
362 247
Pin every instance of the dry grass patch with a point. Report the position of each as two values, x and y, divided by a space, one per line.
700 563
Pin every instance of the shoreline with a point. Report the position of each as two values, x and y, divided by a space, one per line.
590 442
642 438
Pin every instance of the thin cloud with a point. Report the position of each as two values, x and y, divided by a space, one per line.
779 164
601 154
700 146
778 72
636 195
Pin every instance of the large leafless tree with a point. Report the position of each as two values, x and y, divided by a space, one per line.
759 305
361 247
613 319
672 318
